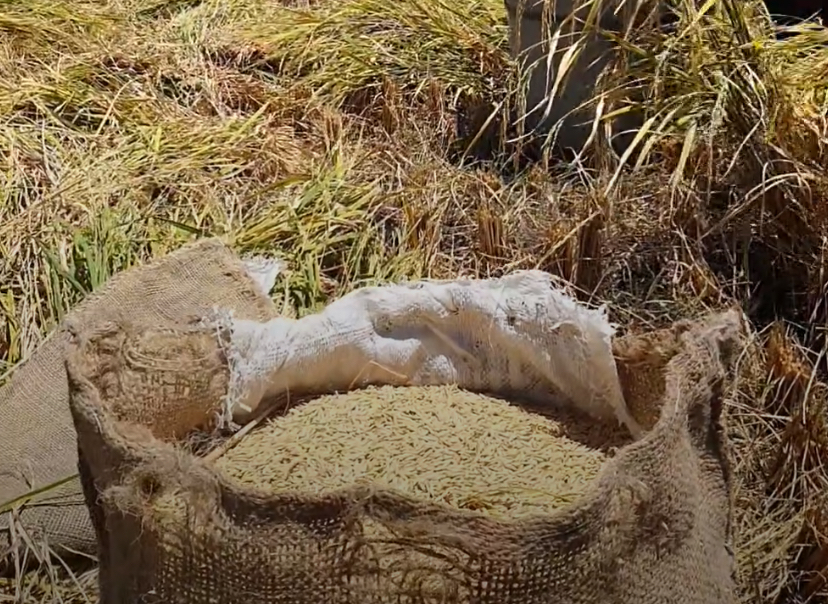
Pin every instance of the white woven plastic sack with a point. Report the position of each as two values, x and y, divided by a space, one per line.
519 334
264 271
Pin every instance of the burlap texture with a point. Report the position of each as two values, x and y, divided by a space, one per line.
654 527
38 444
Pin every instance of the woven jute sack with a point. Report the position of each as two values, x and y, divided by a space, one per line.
653 528
38 445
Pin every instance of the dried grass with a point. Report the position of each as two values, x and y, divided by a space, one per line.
131 126
441 444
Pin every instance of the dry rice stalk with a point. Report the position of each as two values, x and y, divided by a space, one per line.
237 437
778 429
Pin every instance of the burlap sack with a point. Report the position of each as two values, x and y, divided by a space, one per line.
38 445
654 527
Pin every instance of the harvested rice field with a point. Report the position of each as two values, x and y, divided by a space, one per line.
436 443
340 136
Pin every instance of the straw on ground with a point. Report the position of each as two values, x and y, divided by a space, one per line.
325 132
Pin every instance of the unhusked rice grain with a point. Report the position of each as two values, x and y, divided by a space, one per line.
437 443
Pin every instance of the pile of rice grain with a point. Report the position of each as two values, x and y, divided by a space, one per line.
437 443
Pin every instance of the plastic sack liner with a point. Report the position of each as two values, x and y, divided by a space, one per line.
518 334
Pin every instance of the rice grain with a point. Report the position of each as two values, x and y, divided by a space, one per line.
437 443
